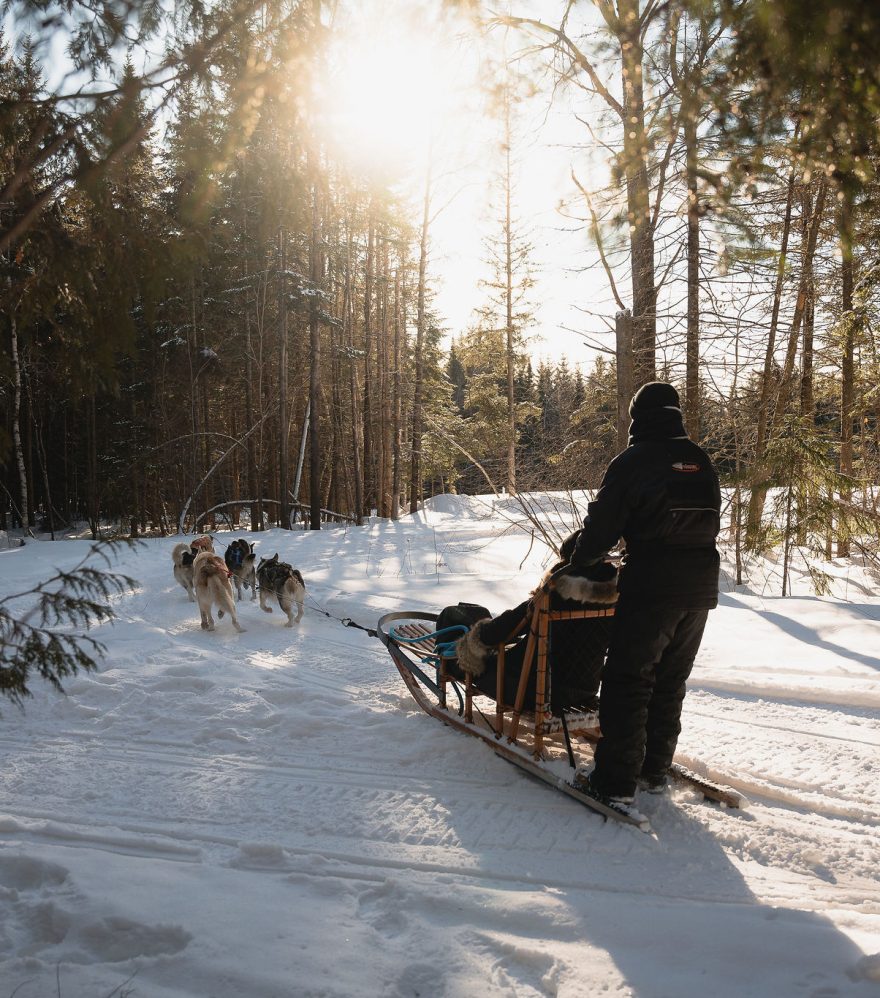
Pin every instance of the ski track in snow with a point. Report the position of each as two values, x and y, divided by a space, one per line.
269 814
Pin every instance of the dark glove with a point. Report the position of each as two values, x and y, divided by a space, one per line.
566 548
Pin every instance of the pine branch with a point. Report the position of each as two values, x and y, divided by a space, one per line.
78 599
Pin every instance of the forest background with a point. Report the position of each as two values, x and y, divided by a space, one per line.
220 304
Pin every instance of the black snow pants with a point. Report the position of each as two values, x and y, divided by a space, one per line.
650 657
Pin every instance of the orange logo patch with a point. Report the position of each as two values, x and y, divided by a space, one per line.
681 466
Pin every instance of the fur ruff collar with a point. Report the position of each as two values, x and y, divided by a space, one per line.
583 590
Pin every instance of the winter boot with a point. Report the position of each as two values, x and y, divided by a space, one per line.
654 784
584 782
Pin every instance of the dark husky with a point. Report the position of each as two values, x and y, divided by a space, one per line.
285 583
240 560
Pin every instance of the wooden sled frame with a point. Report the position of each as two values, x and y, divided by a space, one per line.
525 736
525 725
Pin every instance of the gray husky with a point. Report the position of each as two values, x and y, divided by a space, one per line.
279 579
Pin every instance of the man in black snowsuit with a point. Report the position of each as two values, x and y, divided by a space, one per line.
661 495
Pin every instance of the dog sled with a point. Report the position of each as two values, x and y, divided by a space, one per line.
538 728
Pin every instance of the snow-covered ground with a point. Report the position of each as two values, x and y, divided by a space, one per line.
269 815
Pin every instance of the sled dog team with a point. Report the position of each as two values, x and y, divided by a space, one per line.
208 580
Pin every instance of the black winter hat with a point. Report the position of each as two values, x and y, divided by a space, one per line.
654 395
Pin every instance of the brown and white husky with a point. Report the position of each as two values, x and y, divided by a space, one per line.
211 584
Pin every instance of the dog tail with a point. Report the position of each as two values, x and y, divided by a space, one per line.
214 566
177 554
296 574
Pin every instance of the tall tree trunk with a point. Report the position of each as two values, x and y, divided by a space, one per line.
415 476
283 419
783 396
635 167
387 462
623 373
44 469
93 510
254 484
785 385
808 405
847 386
758 490
508 302
369 458
16 431
314 371
254 487
353 387
692 372
395 395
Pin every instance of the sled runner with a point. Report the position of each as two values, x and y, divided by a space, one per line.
538 729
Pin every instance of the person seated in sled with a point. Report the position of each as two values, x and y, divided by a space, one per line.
577 647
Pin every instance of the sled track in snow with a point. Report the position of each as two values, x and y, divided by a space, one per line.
873 743
282 857
187 789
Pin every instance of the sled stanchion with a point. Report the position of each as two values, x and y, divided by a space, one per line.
499 692
528 662
442 679
541 681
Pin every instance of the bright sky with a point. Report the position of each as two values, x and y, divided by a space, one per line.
407 79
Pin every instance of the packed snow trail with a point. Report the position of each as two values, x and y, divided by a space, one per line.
269 814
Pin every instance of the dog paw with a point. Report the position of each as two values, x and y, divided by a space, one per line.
220 613
266 609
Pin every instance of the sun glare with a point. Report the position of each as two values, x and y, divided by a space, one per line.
390 90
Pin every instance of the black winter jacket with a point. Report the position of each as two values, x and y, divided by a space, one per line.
663 498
